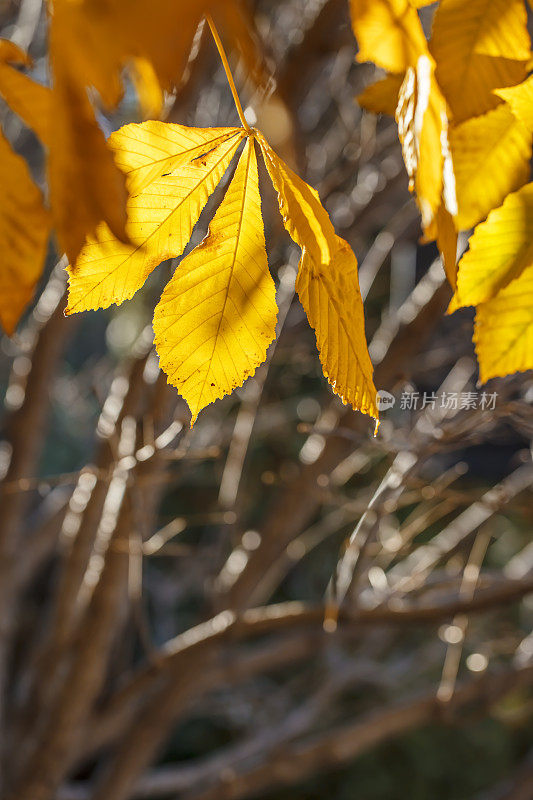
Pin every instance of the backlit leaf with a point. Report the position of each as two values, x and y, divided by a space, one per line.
86 186
503 332
24 231
327 285
160 223
388 33
217 315
500 249
491 156
520 100
381 97
478 45
28 99
151 150
423 131
444 231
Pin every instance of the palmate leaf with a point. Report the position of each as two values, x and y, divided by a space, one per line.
24 231
217 315
478 45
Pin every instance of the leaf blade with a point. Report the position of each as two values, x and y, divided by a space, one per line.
491 156
478 45
24 232
327 284
503 332
160 223
500 249
213 327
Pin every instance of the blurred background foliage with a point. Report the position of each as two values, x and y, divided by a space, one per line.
224 483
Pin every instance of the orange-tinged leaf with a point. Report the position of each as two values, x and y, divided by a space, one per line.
491 156
100 39
160 223
153 149
478 45
381 97
24 231
388 33
503 332
217 315
86 186
520 100
501 248
29 100
327 285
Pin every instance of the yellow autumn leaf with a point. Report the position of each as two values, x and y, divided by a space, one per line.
503 332
388 33
423 131
500 249
160 222
444 231
491 156
152 149
24 231
479 45
217 315
381 97
28 99
327 285
520 100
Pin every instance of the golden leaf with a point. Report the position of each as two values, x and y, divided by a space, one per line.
388 33
423 131
160 222
491 156
503 332
24 231
444 231
500 249
28 99
520 100
381 97
152 149
478 45
327 285
217 315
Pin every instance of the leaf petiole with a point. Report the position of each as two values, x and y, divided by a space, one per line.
227 70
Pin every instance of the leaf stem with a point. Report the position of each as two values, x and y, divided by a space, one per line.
227 70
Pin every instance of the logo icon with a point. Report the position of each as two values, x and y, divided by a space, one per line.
384 400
